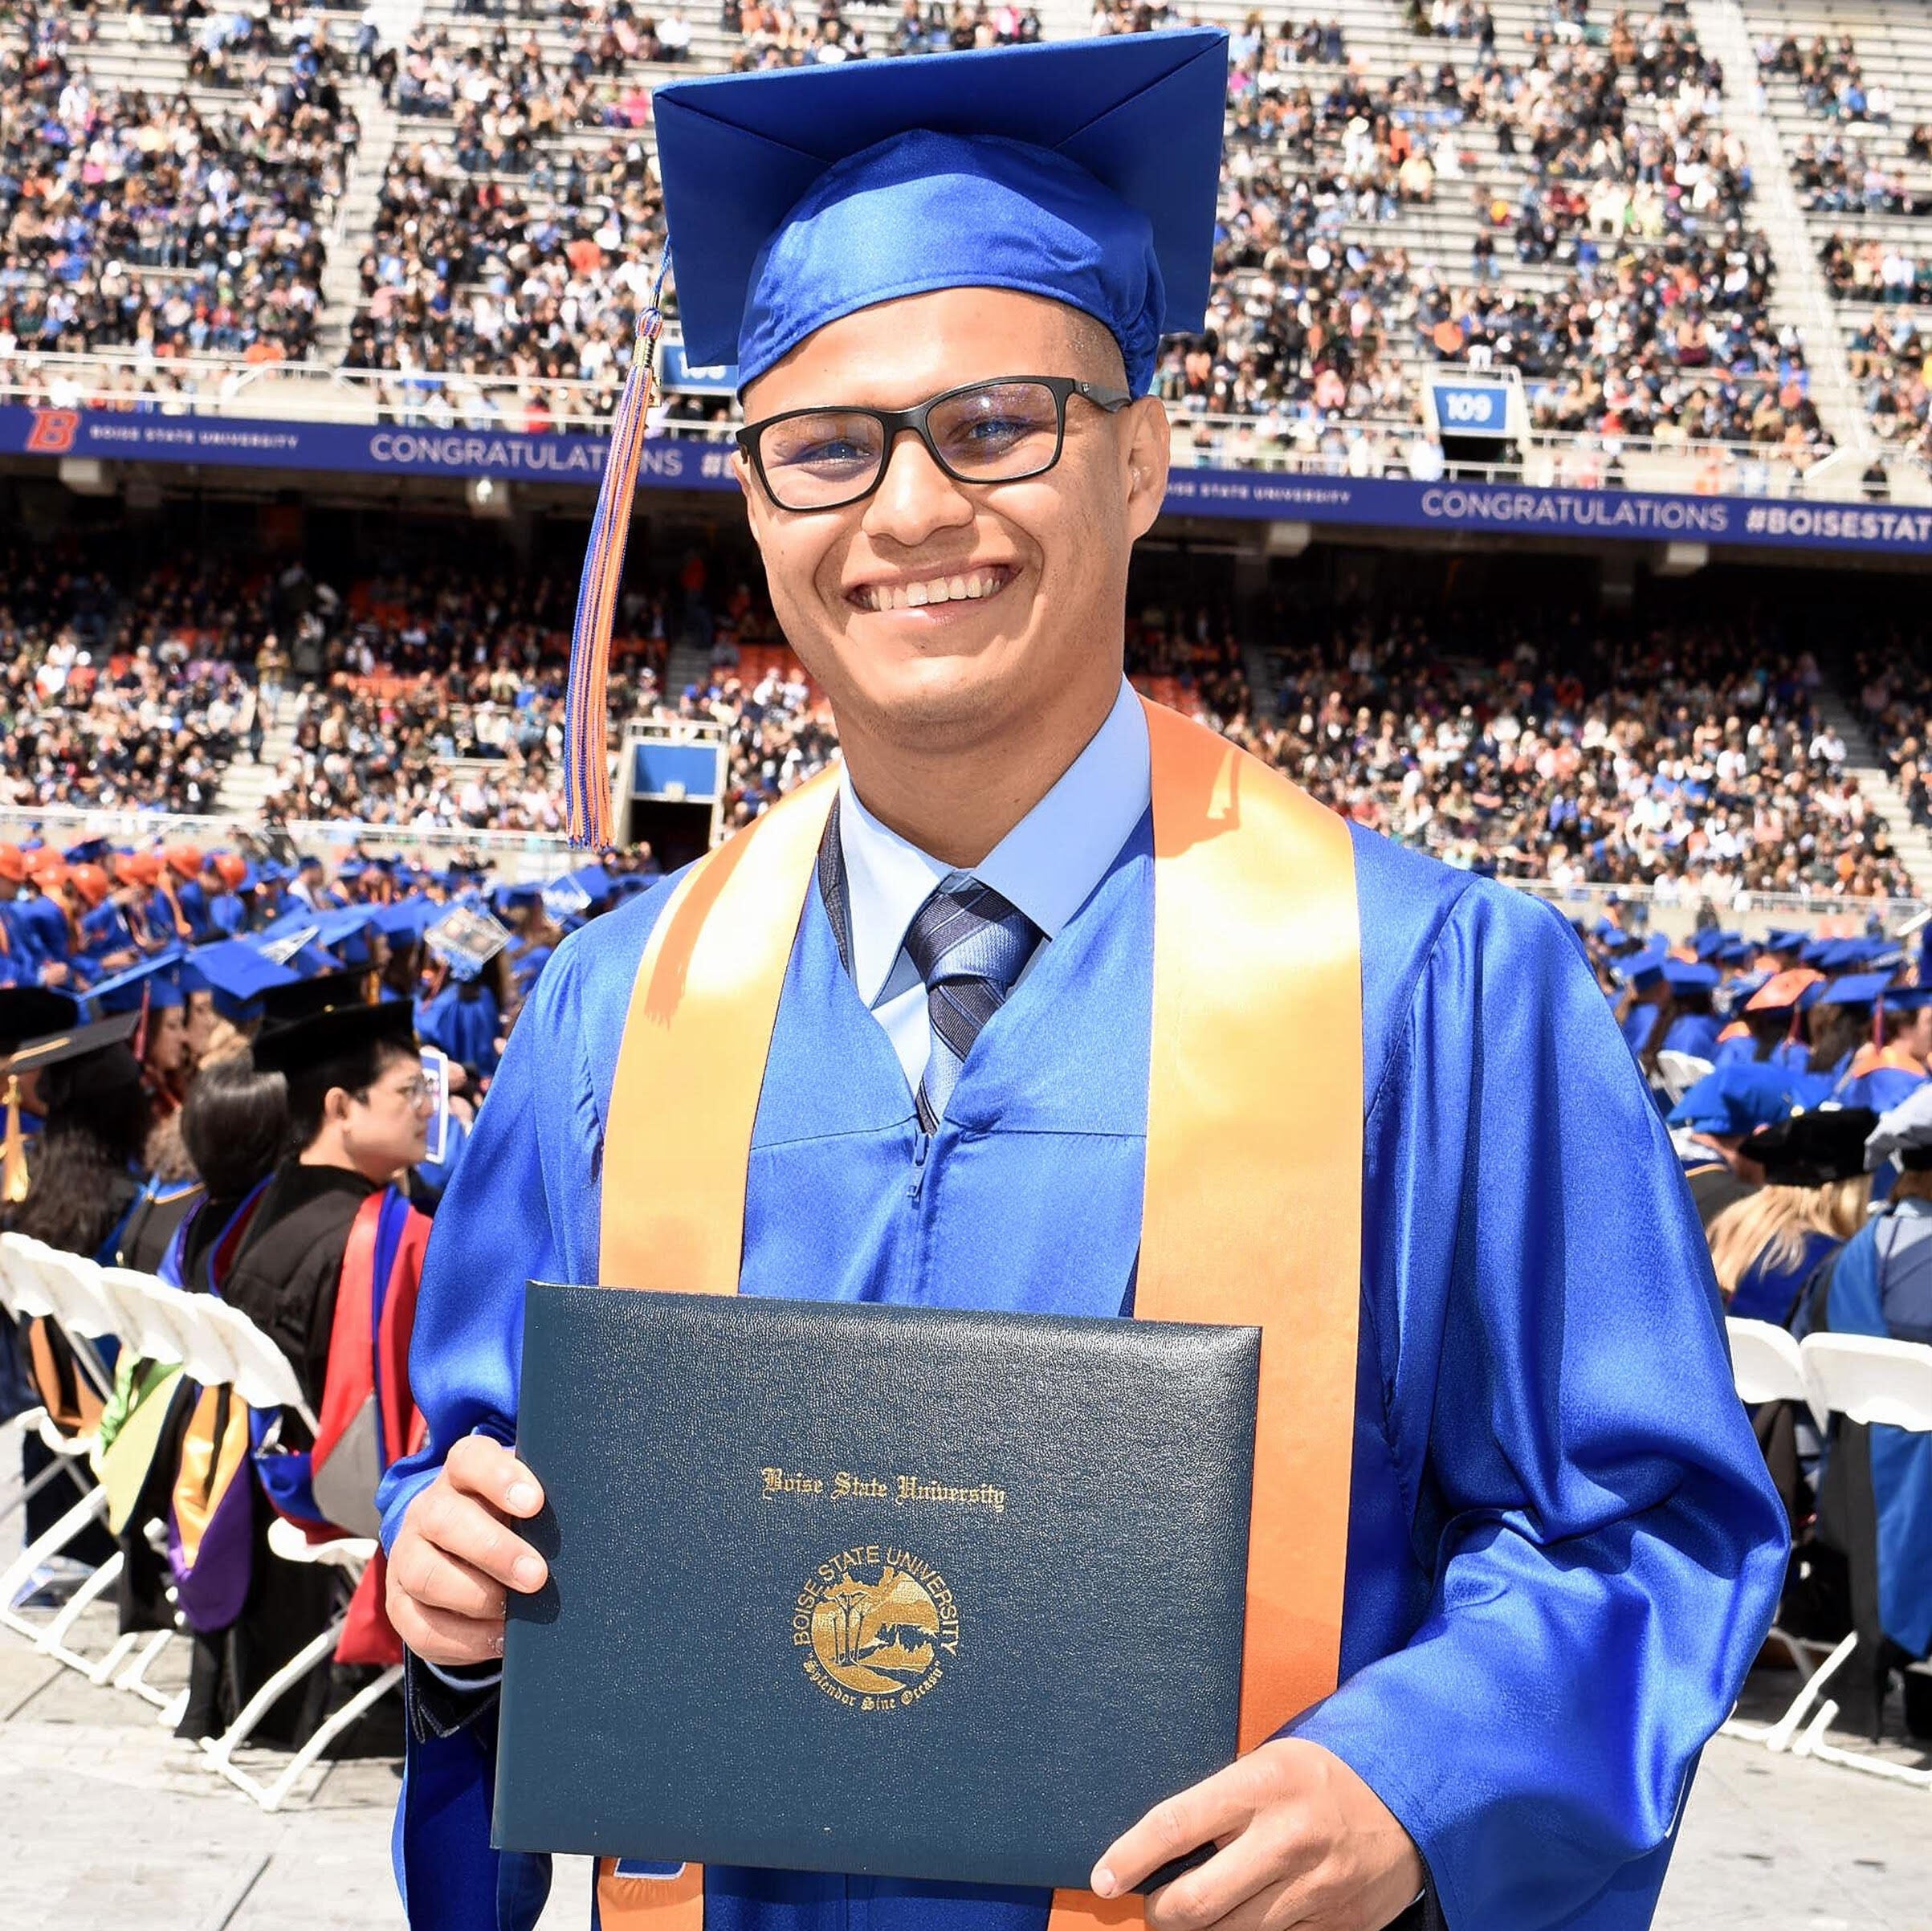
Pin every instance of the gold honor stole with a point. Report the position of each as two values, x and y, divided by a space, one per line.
1252 1211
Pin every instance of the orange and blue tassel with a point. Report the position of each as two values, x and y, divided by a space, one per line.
586 722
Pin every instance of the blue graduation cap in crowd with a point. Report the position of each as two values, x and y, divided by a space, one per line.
407 918
1785 938
1682 977
1084 171
1738 1098
237 976
1710 941
89 851
1855 989
155 983
1908 999
1644 970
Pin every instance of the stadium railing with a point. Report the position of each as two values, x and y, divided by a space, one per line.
1290 441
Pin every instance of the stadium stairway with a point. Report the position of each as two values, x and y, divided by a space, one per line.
355 218
1868 769
246 781
1799 294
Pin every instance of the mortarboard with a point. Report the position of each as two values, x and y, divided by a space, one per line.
1813 1149
81 1061
298 1046
1084 171
237 974
1904 1133
1711 941
1908 999
466 940
1683 976
33 1013
1783 990
1855 989
1738 1098
155 982
89 851
1784 938
1643 970
406 918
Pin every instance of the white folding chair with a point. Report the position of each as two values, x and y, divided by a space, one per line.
1766 1365
21 1298
64 1289
264 1380
1883 1383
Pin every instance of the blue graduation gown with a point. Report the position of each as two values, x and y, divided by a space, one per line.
1768 1292
464 1027
1693 1033
1563 1549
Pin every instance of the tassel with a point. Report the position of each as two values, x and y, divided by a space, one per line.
13 1164
586 723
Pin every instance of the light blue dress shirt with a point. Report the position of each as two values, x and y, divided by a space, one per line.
1047 866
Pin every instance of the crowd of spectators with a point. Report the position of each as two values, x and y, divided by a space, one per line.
1838 177
1618 757
1828 76
1890 358
1592 751
1875 271
132 716
137 220
1892 680
468 275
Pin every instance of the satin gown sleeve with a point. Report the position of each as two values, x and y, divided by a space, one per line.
523 1203
1596 1547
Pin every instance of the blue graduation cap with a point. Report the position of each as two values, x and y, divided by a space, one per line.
156 981
1682 977
1785 938
1738 1098
1084 171
1908 999
89 851
1710 941
237 974
1737 951
1641 972
407 918
344 931
1855 989
509 894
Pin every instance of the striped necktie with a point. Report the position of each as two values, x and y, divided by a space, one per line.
969 945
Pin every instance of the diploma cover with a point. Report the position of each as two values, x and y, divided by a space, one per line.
914 1592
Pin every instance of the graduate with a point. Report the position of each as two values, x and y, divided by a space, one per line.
1888 1068
1875 1500
1050 1000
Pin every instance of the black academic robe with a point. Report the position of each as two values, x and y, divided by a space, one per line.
285 1275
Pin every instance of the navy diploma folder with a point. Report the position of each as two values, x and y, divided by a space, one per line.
913 1592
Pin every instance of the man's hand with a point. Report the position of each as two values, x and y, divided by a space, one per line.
1303 1841
455 1557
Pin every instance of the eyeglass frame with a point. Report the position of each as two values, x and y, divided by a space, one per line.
896 422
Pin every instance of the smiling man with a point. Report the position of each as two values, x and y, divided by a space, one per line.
1053 1001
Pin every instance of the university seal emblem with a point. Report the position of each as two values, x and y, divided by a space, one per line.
879 1627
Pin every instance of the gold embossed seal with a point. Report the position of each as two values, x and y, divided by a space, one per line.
879 1627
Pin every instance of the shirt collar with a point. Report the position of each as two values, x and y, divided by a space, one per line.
1047 865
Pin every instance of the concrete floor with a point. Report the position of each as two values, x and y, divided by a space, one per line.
109 1822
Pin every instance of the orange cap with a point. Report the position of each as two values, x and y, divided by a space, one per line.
140 868
186 859
12 863
90 880
1783 990
46 867
231 868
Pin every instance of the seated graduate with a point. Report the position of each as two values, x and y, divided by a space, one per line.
358 1112
1771 1021
1711 1124
1886 1070
1875 1499
1051 1000
1766 1247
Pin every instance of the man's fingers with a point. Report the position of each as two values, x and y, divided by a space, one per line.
1209 1811
439 1580
459 1525
1254 1863
488 1471
441 1637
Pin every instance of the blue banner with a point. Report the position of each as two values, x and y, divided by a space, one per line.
1252 495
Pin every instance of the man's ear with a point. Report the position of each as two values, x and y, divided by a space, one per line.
336 1104
754 497
1149 448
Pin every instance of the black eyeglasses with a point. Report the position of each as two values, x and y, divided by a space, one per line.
1001 431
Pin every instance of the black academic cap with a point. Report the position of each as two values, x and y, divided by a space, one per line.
307 1044
1813 1149
33 1013
82 1061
